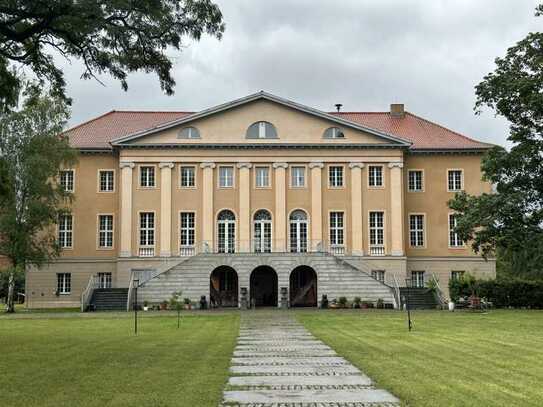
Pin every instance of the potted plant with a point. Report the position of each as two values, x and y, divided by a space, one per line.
356 302
334 304
342 302
146 305
451 305
164 305
365 304
324 301
187 303
380 303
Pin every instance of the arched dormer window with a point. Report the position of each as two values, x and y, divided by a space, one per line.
333 132
261 130
188 133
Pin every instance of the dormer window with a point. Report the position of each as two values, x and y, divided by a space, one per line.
189 133
261 130
333 132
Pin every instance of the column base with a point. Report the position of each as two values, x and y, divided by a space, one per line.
165 254
125 254
358 252
396 253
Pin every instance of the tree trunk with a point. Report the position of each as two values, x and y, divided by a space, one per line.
10 307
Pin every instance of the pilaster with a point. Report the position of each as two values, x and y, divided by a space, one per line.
244 207
396 208
357 235
280 244
316 205
126 208
165 208
208 220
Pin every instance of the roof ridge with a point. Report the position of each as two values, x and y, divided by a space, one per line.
357 112
153 111
89 121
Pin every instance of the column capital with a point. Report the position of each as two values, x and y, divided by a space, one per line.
316 164
397 164
165 165
356 164
244 165
126 164
207 164
280 165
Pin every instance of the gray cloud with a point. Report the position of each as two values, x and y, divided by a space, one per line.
364 54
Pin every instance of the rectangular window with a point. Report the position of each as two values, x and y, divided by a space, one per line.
416 230
104 280
336 229
415 180
147 177
454 180
375 174
297 177
105 231
262 175
67 180
188 177
454 238
379 275
417 279
335 176
147 229
457 275
377 233
107 180
64 283
65 231
226 177
187 229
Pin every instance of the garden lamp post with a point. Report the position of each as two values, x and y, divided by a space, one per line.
408 283
135 285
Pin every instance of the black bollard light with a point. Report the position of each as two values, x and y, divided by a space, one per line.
135 284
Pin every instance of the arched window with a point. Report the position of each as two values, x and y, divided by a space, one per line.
262 227
188 133
333 132
226 232
261 130
298 231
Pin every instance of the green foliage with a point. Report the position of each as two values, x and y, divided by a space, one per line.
115 37
342 301
511 219
175 301
462 287
18 283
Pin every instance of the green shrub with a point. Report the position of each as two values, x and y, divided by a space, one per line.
342 301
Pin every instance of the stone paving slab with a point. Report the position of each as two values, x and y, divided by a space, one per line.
280 346
297 369
274 352
309 396
282 360
359 380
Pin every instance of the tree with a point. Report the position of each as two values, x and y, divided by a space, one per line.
177 304
115 37
32 150
510 221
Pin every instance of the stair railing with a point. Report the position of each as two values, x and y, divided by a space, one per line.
438 292
397 296
130 292
86 295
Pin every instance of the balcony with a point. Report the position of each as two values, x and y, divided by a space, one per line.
187 251
146 252
377 250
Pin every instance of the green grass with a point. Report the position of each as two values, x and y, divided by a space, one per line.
449 359
95 359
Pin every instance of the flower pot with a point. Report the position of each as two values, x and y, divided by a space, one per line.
188 306
145 308
451 306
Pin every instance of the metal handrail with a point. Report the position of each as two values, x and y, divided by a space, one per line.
397 295
129 296
86 295
440 297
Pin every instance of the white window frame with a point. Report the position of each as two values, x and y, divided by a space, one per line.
105 232
62 183
457 274
417 230
304 172
458 243
417 280
379 275
449 171
107 191
268 176
372 178
64 283
415 170
220 178
338 232
181 179
148 178
63 232
187 233
146 249
334 178
379 248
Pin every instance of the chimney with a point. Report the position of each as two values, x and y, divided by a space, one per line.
338 106
397 110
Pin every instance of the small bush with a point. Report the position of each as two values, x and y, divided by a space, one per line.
342 301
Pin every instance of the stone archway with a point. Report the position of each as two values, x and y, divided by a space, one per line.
223 287
303 287
263 286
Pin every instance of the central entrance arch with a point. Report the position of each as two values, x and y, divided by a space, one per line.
223 287
264 287
303 287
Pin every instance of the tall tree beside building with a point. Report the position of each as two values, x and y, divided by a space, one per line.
32 151
115 37
510 221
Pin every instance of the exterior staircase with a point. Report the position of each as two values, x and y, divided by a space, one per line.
336 278
109 299
419 298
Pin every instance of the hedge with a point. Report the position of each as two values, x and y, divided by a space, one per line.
502 293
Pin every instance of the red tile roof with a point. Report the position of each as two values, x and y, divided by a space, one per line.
423 134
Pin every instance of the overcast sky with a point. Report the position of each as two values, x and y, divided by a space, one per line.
364 54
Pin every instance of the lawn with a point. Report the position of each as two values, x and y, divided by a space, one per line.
449 359
96 360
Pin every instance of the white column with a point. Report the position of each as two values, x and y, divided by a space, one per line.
126 208
165 208
208 220
357 235
244 207
280 232
316 206
396 208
